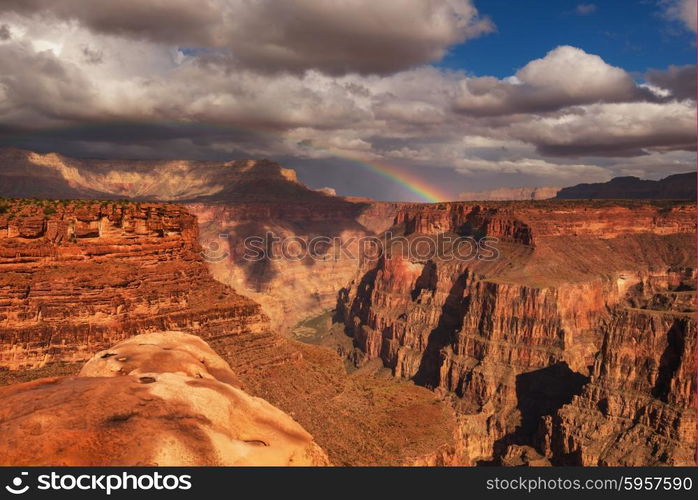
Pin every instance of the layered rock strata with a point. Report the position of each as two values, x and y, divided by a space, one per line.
80 276
580 331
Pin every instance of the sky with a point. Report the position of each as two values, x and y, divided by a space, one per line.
394 100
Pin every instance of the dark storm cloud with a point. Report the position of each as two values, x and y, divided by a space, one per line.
40 89
171 21
679 80
5 33
362 36
137 140
619 148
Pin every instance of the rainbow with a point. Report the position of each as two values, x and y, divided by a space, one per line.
412 183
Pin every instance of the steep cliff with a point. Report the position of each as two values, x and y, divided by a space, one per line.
638 407
515 336
80 276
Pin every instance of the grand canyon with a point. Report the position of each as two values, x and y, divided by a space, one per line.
453 234
574 346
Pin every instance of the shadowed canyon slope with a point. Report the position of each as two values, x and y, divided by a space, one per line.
157 399
575 346
80 276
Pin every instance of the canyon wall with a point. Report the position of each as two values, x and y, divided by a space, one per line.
303 281
79 276
539 345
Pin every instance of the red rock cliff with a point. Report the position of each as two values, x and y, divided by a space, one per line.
78 276
535 338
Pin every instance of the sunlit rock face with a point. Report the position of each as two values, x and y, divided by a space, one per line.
580 333
159 399
80 276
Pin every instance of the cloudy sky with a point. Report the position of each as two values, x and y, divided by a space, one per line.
464 94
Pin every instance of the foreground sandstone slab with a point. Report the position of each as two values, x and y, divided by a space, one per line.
161 399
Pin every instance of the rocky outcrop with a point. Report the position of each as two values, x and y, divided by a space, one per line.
673 187
504 194
638 407
518 340
159 399
80 276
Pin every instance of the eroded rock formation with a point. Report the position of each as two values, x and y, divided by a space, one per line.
77 277
574 342
158 399
80 276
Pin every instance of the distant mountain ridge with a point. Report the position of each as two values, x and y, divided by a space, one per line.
673 187
25 174
504 194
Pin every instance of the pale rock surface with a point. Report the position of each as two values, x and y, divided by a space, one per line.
159 399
